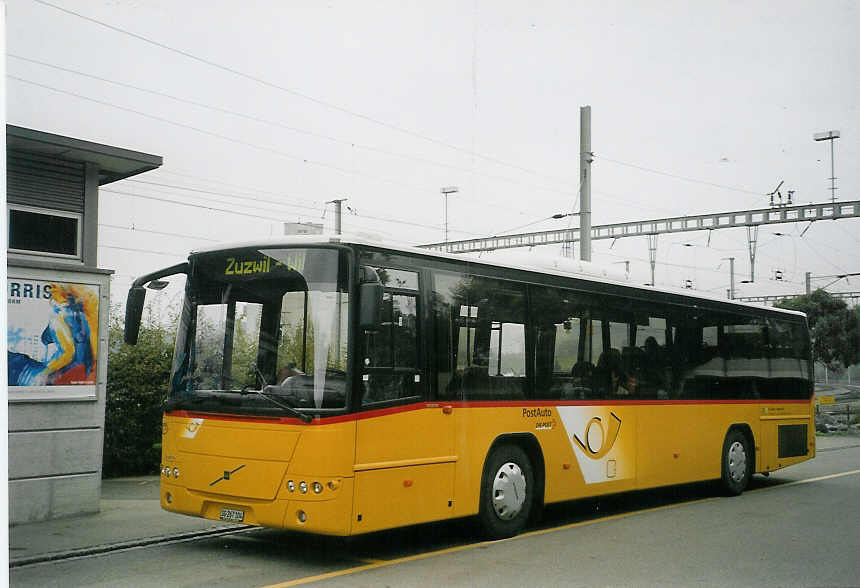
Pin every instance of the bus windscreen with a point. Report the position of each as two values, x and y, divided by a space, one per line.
263 331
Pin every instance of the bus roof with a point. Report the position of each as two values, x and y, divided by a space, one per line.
545 264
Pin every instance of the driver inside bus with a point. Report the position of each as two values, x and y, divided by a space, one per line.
287 372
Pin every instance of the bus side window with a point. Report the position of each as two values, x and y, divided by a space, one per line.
651 340
563 344
789 358
480 337
390 364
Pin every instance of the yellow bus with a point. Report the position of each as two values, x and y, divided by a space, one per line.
341 386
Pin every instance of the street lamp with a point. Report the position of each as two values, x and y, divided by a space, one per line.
829 136
446 191
731 277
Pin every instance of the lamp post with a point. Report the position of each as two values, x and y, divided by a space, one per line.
731 277
829 136
446 191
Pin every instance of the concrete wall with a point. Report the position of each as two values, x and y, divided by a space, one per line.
56 433
56 445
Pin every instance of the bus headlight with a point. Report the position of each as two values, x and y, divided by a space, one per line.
303 487
317 487
175 472
291 486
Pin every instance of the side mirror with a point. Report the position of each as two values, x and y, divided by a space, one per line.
137 295
368 310
133 312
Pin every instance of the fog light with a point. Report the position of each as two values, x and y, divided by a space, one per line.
291 486
317 487
175 472
168 498
303 487
301 516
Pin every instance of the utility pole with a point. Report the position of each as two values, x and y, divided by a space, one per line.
447 191
337 213
585 159
338 202
752 241
731 277
829 136
808 283
652 255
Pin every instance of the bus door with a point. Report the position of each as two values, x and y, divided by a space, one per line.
404 458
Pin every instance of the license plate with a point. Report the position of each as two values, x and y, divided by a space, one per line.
234 516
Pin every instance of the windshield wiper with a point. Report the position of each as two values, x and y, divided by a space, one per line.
306 418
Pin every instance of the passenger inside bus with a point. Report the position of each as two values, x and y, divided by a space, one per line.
631 363
583 379
610 371
655 381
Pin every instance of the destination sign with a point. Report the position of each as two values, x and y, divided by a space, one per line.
247 267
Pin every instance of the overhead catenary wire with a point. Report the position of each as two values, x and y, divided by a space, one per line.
303 159
246 214
720 250
276 124
154 232
820 256
180 203
270 150
677 177
138 250
648 169
296 93
315 210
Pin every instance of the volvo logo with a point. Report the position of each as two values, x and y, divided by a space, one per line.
227 475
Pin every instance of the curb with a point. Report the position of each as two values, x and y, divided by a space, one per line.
122 545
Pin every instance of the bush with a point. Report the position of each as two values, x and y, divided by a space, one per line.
136 389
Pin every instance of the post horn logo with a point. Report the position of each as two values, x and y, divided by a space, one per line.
596 450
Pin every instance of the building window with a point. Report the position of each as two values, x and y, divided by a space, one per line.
44 232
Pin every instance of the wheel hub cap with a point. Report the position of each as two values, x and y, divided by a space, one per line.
737 461
509 491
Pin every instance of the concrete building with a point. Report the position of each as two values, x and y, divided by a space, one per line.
303 228
58 299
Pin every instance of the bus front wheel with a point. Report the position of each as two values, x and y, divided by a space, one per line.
507 492
737 463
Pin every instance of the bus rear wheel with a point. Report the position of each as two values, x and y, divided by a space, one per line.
507 492
737 463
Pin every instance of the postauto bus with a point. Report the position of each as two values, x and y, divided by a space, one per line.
340 386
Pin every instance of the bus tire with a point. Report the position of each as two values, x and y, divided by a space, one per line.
507 492
737 463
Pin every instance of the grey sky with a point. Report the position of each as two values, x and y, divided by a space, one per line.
379 93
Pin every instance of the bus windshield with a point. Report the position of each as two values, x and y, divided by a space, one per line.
263 331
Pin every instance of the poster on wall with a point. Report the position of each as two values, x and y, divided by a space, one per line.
52 339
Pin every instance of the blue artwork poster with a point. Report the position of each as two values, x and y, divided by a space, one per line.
52 334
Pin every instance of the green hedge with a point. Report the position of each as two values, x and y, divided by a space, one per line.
136 388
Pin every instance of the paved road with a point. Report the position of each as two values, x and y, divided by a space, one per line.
798 527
